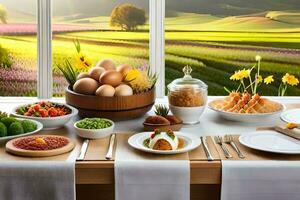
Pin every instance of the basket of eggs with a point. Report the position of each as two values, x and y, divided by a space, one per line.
115 92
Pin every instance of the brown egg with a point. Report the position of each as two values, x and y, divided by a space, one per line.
85 86
107 64
83 75
112 78
105 91
123 90
96 72
123 69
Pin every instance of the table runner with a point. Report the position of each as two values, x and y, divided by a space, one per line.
44 178
260 176
150 177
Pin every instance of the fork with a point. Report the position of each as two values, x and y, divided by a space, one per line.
230 140
219 141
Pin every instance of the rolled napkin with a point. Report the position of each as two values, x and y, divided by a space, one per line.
292 132
34 180
141 176
260 180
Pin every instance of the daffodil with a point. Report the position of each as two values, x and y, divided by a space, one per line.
268 79
259 79
290 79
82 62
241 74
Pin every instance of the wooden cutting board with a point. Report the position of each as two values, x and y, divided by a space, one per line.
10 148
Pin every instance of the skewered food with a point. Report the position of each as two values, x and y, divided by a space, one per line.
246 103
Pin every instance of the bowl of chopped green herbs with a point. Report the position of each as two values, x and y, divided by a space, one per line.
94 128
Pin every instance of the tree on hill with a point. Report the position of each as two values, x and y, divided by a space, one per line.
128 17
3 14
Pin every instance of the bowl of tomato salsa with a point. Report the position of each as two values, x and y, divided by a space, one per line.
51 114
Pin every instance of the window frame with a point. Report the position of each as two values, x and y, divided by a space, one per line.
44 43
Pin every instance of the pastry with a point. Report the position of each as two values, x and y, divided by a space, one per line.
157 120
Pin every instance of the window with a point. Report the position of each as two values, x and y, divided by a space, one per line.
89 23
18 48
215 37
218 37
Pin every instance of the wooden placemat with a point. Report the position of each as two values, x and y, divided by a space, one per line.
4 156
252 154
98 148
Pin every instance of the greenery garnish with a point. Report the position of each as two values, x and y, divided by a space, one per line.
146 142
68 71
161 110
170 133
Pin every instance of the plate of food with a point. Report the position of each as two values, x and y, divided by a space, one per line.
52 115
245 107
11 127
168 142
40 145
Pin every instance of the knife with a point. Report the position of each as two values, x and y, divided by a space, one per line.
294 133
206 150
111 147
83 149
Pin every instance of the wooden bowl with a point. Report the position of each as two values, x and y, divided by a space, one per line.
114 108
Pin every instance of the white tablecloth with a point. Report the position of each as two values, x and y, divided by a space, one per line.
36 180
152 179
260 180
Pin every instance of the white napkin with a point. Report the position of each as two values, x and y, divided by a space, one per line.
35 180
260 180
151 179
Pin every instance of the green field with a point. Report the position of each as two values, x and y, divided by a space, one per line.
214 46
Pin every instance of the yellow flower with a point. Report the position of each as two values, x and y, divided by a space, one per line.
241 74
82 62
290 79
132 74
138 80
268 79
259 79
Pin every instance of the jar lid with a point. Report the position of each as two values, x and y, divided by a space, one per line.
187 80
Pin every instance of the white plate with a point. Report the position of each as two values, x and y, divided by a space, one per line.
38 128
191 142
270 141
245 117
292 116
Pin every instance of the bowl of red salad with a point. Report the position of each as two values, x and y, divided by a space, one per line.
51 114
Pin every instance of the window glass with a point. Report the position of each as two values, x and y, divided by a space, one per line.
219 37
18 48
90 24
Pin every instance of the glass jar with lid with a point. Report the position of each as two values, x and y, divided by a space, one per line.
187 97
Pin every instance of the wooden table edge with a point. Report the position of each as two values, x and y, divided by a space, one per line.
102 172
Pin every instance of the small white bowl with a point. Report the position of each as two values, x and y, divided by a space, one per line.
189 115
50 123
95 133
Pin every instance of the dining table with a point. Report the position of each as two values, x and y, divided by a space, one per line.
94 176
